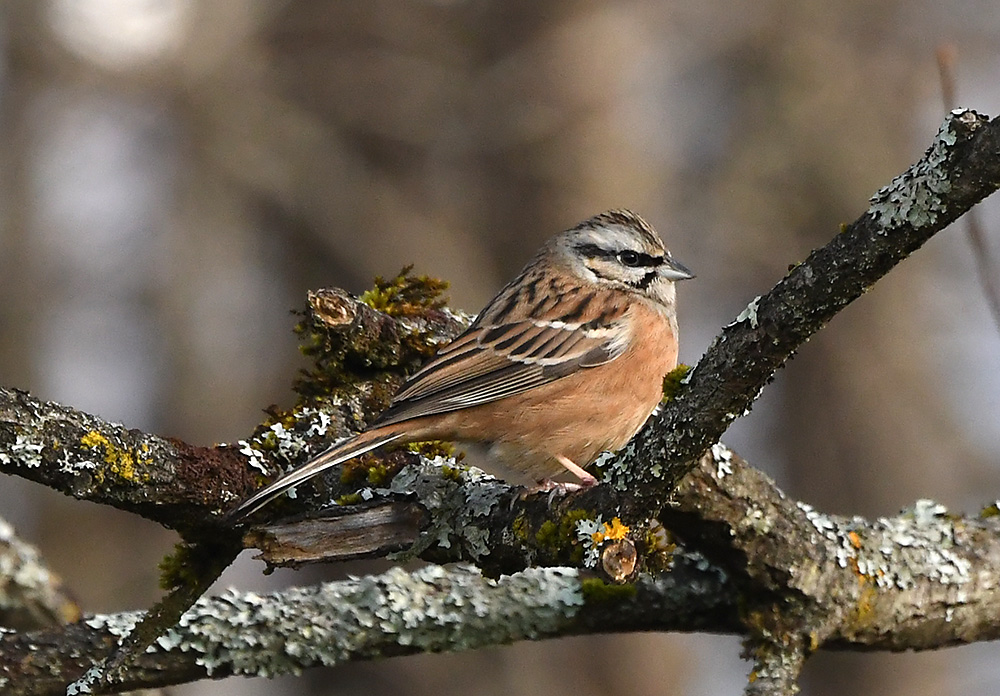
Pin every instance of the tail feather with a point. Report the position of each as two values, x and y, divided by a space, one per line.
337 454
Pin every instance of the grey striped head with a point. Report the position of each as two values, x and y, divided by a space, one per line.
619 249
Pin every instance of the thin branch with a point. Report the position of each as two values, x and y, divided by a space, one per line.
776 670
959 169
986 267
31 595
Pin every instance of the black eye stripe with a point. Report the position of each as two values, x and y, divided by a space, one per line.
594 251
641 260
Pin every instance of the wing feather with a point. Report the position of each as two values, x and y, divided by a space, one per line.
493 361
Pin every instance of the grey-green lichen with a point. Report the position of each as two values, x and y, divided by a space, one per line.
749 313
915 197
723 458
24 451
924 542
292 438
27 585
460 505
614 467
436 608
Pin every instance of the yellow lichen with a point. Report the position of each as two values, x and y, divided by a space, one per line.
612 530
861 613
121 462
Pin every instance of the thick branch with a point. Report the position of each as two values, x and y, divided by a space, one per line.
91 459
177 485
923 579
920 580
800 579
433 609
959 169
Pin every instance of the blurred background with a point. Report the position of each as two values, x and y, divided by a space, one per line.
175 174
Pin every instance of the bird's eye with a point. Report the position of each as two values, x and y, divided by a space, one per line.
629 258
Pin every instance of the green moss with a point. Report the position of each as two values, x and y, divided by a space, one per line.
597 591
431 448
405 295
559 538
355 470
380 473
989 511
341 361
187 565
451 473
349 499
267 442
520 528
672 381
657 548
369 469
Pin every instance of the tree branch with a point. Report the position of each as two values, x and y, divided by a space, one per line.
802 579
960 168
31 595
788 578
433 609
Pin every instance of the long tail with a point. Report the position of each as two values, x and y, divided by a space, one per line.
365 442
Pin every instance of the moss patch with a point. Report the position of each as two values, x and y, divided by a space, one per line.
672 381
559 537
406 295
377 355
596 590
187 565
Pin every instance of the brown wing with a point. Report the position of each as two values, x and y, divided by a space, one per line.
503 354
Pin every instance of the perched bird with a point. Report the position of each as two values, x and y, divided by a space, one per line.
567 361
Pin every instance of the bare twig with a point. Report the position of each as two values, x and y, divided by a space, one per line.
31 595
986 267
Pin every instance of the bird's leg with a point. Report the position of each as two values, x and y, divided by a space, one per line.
586 480
557 488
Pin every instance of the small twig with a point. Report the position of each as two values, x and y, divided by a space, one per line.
164 615
31 595
776 670
947 57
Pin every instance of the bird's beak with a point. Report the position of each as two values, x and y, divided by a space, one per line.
674 270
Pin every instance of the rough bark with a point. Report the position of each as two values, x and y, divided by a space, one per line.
790 579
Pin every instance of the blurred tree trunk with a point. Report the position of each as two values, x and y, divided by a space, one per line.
858 422
321 143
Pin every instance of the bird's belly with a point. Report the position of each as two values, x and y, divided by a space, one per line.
577 417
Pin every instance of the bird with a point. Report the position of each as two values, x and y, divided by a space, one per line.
565 362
